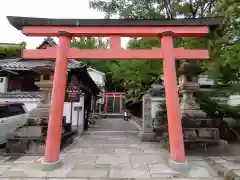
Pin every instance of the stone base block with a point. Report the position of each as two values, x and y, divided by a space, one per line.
179 166
49 166
147 136
233 175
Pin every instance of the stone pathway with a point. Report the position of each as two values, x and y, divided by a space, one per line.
100 155
112 151
114 124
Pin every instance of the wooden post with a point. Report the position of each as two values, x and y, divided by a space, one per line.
57 102
105 102
121 103
172 102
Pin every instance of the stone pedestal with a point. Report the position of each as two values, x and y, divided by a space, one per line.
147 133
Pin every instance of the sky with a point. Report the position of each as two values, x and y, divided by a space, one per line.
78 9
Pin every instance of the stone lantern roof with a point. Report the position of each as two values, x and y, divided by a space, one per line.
157 89
190 69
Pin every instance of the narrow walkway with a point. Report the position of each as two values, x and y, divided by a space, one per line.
113 124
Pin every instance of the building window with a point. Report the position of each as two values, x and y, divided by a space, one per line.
1 80
46 77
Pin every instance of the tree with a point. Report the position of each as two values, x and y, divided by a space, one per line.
154 9
224 49
12 50
104 66
141 74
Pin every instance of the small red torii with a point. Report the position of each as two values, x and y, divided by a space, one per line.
65 29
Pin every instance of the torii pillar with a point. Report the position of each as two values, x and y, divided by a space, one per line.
175 131
52 150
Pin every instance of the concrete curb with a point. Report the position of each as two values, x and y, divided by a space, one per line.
224 168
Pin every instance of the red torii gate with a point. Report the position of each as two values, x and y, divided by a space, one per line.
117 95
65 29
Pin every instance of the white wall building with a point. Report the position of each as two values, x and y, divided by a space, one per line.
98 77
31 101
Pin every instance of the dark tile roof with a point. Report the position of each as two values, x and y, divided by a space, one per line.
30 64
8 60
50 41
75 67
20 22
17 95
84 77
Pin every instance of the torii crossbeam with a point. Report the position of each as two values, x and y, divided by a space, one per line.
65 29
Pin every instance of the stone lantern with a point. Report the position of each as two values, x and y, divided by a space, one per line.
191 113
31 137
45 85
198 130
157 90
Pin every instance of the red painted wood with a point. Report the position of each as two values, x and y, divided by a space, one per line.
115 42
172 101
113 54
121 103
180 31
57 101
115 95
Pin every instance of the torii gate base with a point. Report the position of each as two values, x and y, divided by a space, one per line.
66 29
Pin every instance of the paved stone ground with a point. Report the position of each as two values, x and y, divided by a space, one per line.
225 165
107 155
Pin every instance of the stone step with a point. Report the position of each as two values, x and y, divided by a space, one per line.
112 115
228 167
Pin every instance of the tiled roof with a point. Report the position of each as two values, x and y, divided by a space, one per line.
17 95
30 64
8 60
50 41
16 66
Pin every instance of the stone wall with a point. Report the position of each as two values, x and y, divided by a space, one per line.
150 107
137 120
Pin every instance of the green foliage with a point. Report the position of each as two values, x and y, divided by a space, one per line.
107 67
144 43
224 50
89 43
130 76
12 50
213 108
137 76
154 9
